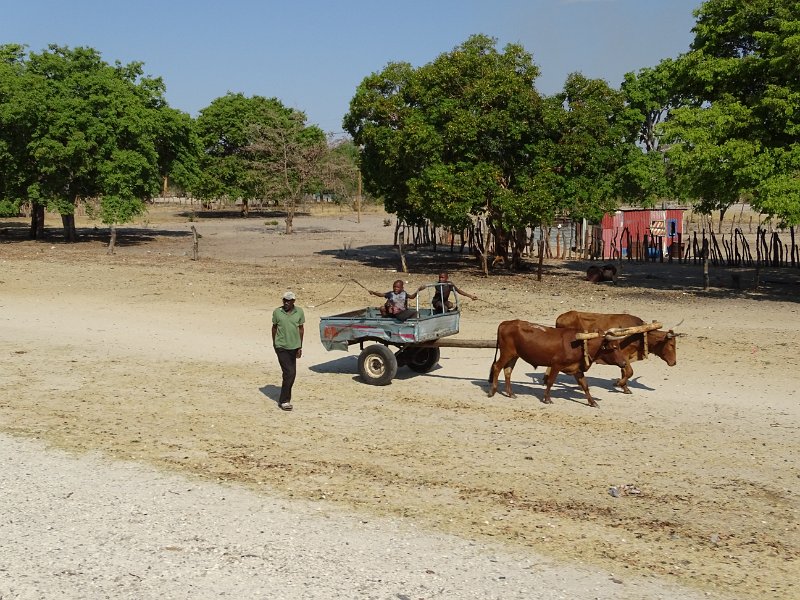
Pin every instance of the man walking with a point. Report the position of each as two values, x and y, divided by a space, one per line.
287 339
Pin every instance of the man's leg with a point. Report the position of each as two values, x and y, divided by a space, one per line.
288 361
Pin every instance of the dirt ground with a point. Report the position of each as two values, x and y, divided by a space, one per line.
148 355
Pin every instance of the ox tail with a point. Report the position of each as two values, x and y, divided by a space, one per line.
496 349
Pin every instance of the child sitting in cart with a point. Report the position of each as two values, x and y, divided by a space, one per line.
396 301
441 299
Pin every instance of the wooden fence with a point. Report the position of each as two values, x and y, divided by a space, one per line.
764 249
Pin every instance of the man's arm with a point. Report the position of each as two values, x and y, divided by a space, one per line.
302 330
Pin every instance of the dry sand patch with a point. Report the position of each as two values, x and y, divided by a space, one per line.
147 355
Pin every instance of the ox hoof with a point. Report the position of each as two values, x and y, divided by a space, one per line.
624 388
547 401
593 404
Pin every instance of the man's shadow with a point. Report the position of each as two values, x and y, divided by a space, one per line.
273 392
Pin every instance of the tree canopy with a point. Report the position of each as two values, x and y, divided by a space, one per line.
469 135
83 129
450 140
734 131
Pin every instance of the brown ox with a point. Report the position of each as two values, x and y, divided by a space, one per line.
558 349
660 343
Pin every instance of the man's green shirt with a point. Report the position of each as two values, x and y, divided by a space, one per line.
287 337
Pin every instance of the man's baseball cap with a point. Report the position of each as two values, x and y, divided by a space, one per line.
289 296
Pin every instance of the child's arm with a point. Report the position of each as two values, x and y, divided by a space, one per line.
470 296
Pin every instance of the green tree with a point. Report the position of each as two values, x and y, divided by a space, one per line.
736 129
468 136
452 140
82 129
224 129
591 138
179 150
341 171
18 114
645 178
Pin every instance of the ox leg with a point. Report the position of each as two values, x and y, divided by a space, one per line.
580 377
502 363
549 380
544 377
494 372
507 372
626 373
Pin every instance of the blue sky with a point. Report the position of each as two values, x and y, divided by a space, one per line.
312 54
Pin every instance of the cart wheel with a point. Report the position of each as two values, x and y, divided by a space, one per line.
423 360
377 365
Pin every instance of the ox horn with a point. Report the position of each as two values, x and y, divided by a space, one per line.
613 338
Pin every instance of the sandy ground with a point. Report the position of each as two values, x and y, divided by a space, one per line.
149 357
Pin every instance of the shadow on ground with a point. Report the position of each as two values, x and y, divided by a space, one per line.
11 233
724 282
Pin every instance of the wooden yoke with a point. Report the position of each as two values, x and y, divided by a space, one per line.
586 336
623 332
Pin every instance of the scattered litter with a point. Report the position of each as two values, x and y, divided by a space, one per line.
623 490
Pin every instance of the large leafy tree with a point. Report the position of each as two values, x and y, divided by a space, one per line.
16 122
453 139
224 129
468 136
645 178
179 149
85 130
736 129
592 134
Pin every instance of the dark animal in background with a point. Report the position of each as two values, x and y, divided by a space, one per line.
597 274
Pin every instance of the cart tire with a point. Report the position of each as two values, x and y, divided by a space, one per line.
422 360
377 365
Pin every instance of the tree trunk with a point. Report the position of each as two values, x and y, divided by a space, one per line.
68 221
112 240
289 217
37 221
519 241
541 260
403 266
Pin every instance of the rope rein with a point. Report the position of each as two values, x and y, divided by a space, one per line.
329 299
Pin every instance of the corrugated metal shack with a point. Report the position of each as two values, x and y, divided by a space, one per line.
638 233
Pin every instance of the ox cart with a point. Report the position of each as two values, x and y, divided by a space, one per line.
418 338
